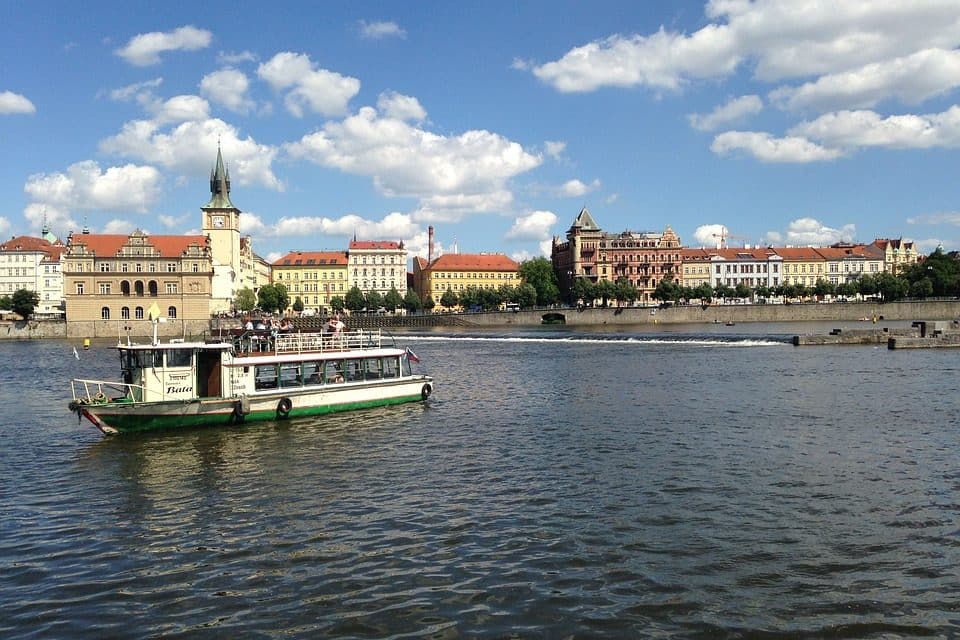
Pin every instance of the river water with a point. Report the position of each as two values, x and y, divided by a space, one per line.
679 482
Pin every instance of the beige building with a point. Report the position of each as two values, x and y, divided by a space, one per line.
802 265
113 280
315 277
232 256
695 267
897 254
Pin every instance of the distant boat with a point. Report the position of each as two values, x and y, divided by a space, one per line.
730 323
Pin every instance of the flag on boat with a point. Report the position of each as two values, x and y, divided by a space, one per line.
411 356
75 354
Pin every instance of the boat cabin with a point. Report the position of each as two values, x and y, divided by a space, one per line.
175 371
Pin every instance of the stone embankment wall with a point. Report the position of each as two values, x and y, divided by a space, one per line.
137 329
32 329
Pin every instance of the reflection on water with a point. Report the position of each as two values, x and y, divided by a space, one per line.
559 484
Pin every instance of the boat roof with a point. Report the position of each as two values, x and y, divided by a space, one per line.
304 356
212 346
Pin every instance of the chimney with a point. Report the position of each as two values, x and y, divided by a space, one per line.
429 244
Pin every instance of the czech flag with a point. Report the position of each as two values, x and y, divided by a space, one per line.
411 356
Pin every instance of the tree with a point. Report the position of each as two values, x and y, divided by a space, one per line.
704 292
298 305
866 285
723 291
355 300
373 300
267 298
283 298
667 290
584 291
245 299
892 287
742 290
411 301
23 302
539 273
449 299
337 304
605 291
429 304
5 302
941 269
526 295
625 291
922 288
393 300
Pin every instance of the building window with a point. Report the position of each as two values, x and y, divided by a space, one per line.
104 267
138 287
138 313
171 287
79 288
104 288
153 288
153 267
105 313
171 312
125 313
139 267
196 268
171 267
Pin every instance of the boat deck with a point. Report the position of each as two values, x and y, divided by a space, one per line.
263 343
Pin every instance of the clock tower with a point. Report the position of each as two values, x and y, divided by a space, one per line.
221 224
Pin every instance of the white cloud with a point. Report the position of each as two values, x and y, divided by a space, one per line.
58 218
930 245
911 79
534 226
145 49
766 148
189 148
140 91
85 187
118 226
239 57
950 217
521 65
782 38
450 175
869 129
319 90
179 109
14 103
554 148
173 222
811 232
4 226
708 235
576 188
380 30
401 107
733 111
228 87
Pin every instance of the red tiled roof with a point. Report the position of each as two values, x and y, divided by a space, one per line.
374 244
475 262
108 245
860 251
312 258
26 243
798 253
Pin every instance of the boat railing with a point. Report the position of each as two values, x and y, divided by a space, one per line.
104 391
357 340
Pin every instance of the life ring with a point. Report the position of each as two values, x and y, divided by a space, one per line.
100 398
238 416
284 407
426 391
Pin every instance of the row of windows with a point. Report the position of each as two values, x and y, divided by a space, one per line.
137 313
373 260
106 267
316 275
373 272
17 271
490 276
748 268
106 288
298 374
659 257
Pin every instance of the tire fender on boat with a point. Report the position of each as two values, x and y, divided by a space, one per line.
284 407
426 391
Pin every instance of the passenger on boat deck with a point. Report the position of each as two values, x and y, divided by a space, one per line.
249 324
284 325
335 325
260 324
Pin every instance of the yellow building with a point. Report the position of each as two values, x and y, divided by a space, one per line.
460 271
897 254
695 267
315 277
802 265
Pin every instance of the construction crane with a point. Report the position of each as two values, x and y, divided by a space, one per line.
724 235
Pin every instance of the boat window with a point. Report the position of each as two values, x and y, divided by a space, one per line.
266 376
179 357
373 369
290 375
405 364
313 372
334 371
354 370
137 359
391 367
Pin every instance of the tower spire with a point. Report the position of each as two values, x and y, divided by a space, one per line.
220 184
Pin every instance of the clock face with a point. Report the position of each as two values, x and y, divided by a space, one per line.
218 222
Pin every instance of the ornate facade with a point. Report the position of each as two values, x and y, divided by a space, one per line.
377 266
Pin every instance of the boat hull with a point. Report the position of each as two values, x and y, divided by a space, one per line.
128 417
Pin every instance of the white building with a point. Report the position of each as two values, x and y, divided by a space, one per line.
377 266
34 264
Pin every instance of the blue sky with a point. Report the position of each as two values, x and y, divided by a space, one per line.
784 122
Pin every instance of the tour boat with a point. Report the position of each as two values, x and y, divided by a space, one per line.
254 375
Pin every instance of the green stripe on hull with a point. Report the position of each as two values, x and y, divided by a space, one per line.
136 423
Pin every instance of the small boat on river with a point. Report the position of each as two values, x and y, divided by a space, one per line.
249 376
